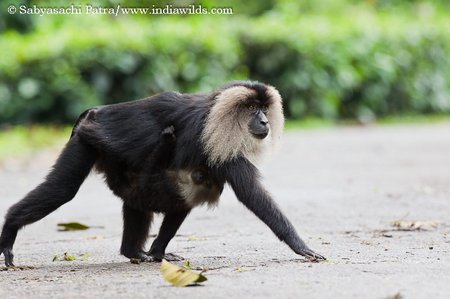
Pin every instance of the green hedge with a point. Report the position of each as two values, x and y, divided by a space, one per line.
349 66
356 69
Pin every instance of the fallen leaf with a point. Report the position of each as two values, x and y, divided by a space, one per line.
187 264
85 256
196 238
405 225
69 258
179 276
135 261
69 226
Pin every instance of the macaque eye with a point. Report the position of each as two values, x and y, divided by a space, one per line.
265 109
252 107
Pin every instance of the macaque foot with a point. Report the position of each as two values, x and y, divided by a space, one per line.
311 255
171 257
139 256
158 257
9 256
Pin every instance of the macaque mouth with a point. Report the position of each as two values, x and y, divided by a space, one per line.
260 135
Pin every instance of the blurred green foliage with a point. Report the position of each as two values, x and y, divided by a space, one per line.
330 59
20 140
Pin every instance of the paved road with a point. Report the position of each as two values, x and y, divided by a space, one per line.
342 188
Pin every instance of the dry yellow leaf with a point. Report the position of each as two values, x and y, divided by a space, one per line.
72 226
179 276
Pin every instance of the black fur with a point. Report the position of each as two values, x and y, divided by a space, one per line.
138 146
241 174
60 186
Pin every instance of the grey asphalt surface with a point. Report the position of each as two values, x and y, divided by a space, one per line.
342 188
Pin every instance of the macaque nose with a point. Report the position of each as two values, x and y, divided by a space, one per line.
263 119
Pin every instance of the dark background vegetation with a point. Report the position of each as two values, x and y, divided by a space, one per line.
333 59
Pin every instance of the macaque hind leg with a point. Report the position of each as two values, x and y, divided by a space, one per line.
59 187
